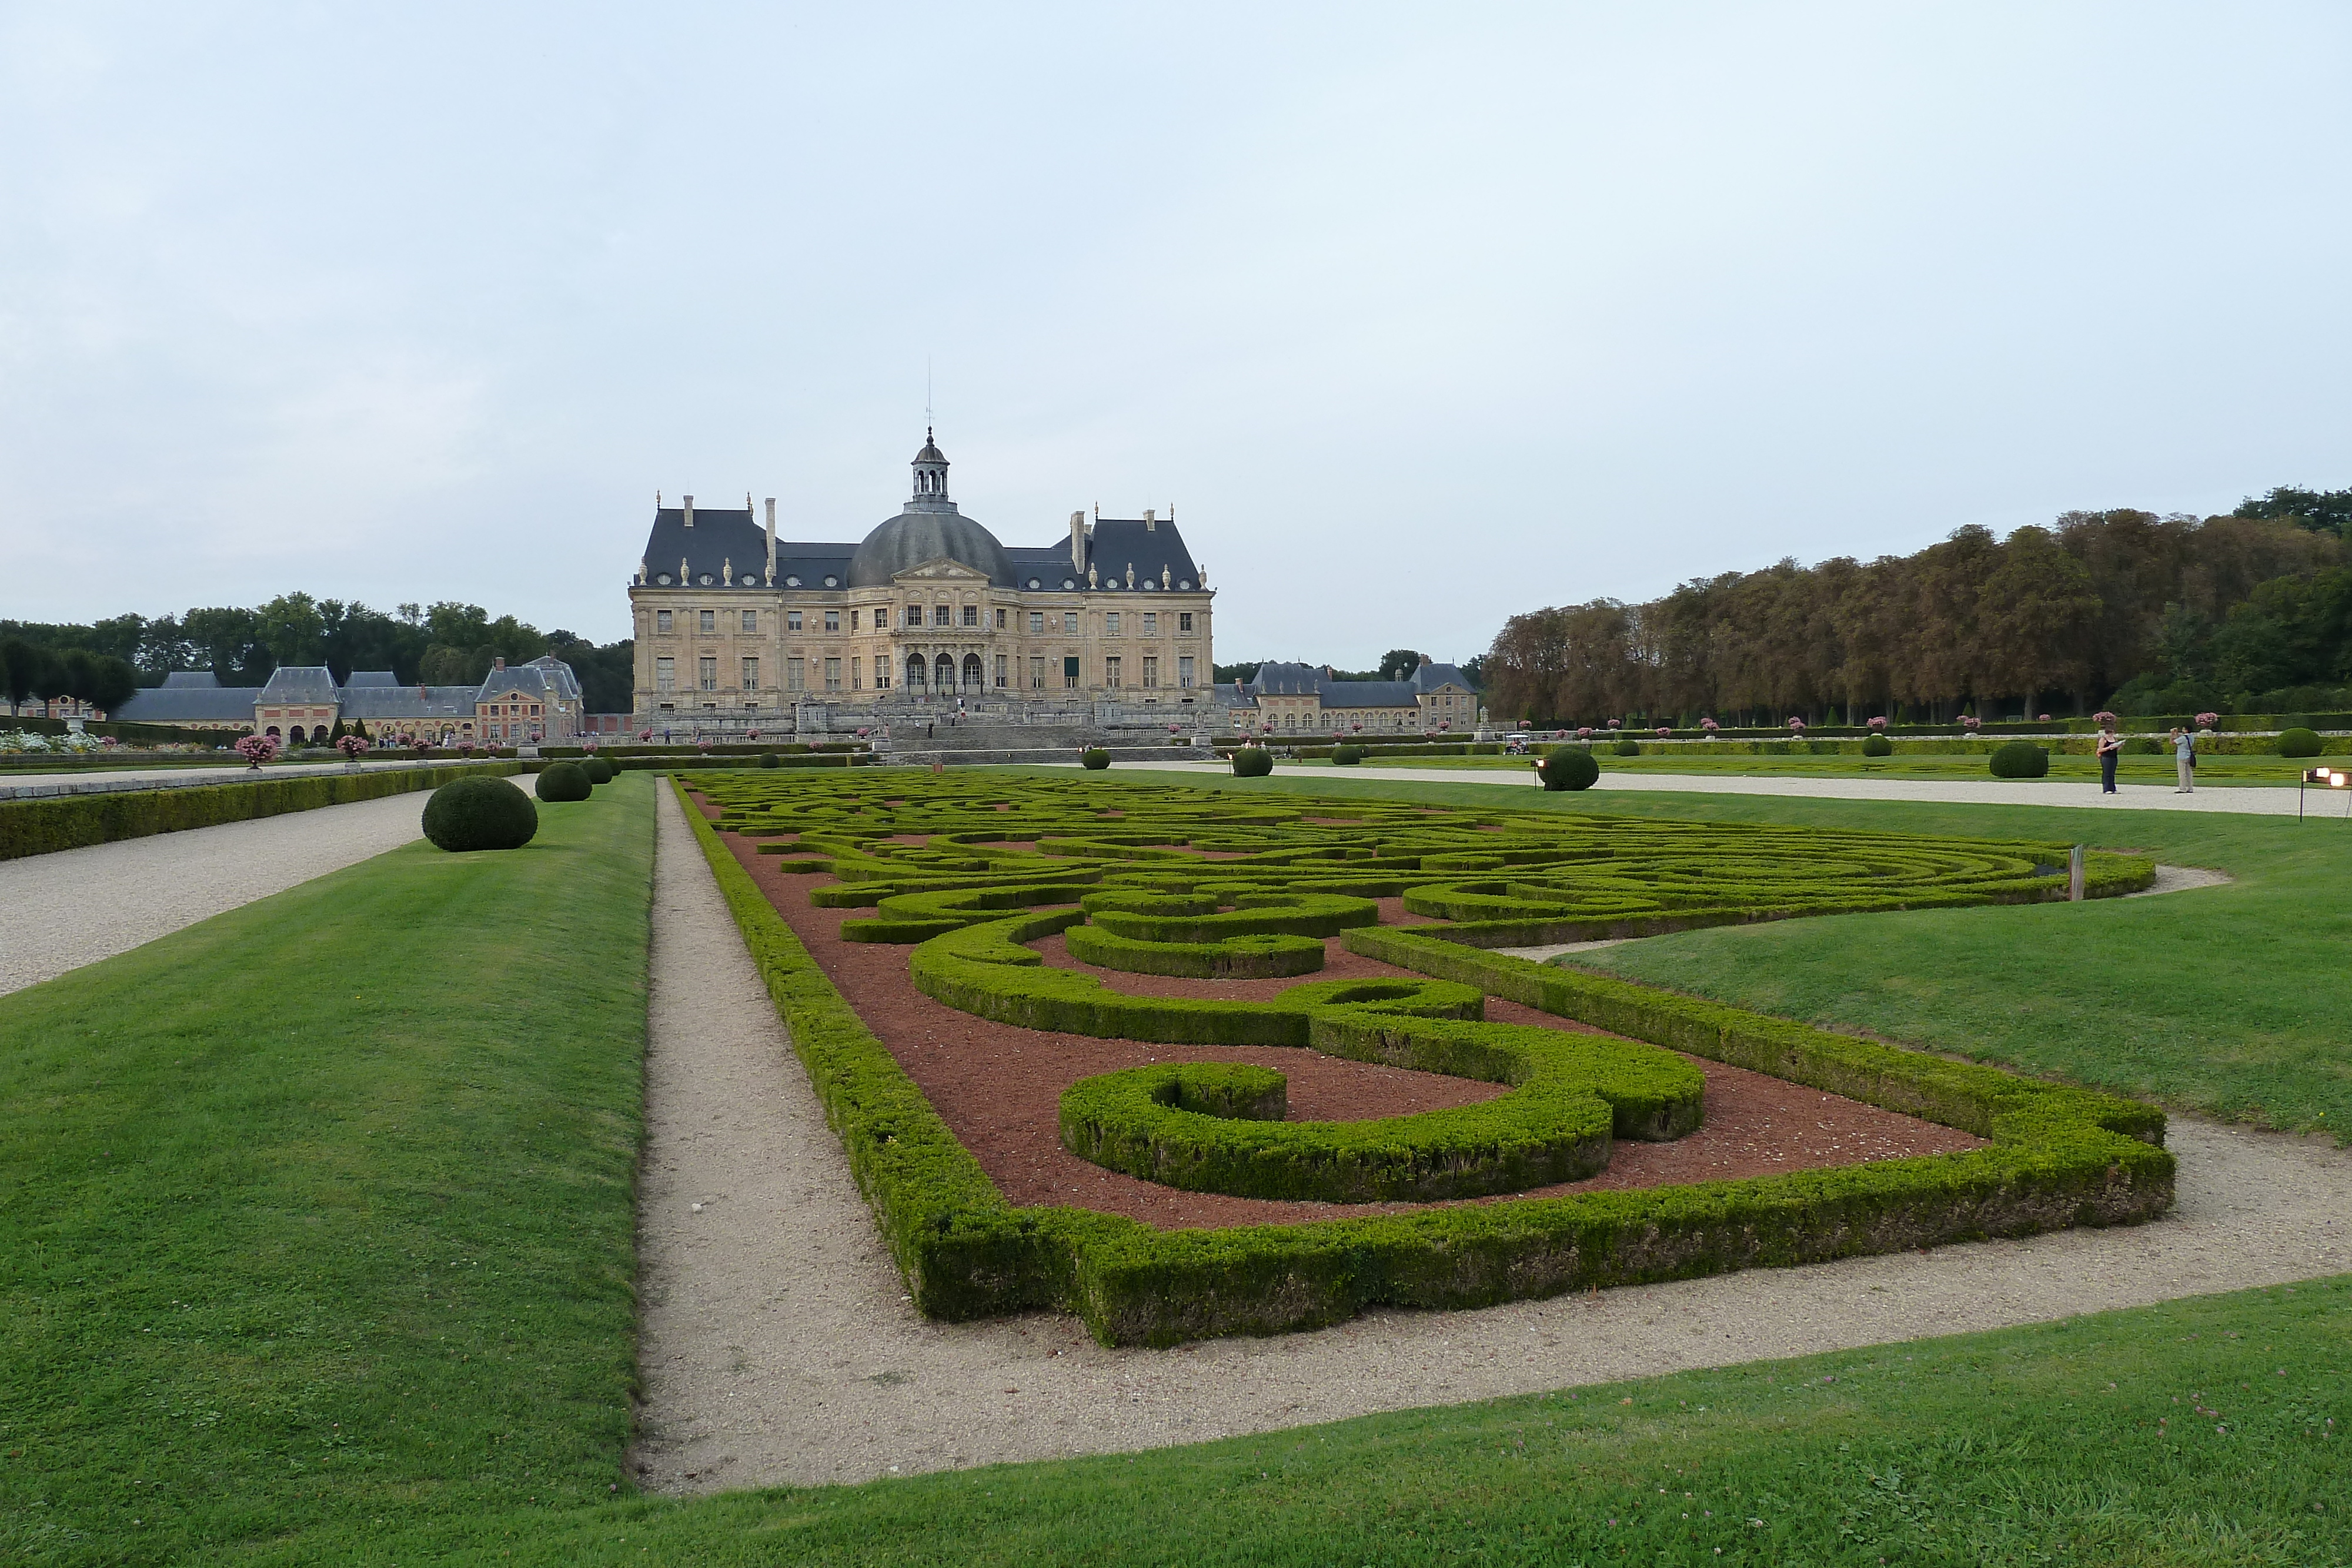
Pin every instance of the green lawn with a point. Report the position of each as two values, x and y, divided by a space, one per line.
320 1213
316 1244
2210 770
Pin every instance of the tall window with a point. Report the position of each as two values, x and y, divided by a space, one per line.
1151 669
1184 671
972 614
792 620
856 682
1036 673
1151 623
915 668
1110 625
914 616
751 621
833 675
1002 674
1070 669
707 674
665 672
1036 620
1000 626
1111 671
794 680
1069 622
973 675
853 620
750 675
832 619
943 614
709 620
1184 623
662 619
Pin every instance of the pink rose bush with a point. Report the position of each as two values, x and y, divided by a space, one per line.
1797 726
256 749
1969 721
2103 717
1710 726
1878 723
1584 732
2208 720
354 746
1664 731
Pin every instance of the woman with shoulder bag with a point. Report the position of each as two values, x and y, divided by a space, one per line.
2184 762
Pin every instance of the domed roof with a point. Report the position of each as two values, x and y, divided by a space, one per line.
914 537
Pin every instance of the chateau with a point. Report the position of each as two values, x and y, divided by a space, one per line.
733 624
302 703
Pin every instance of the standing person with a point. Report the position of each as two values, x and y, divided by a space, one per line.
2111 745
2184 762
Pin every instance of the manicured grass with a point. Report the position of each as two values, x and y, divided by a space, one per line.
2228 1000
316 1243
320 1213
2083 1441
2212 771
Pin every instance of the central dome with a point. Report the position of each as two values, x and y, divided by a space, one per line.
929 528
912 537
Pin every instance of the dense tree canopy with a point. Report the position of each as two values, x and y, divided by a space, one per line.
2226 612
443 643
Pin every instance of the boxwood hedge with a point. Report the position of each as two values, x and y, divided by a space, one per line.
2056 1156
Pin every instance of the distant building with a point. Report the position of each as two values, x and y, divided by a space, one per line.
1308 698
537 701
732 623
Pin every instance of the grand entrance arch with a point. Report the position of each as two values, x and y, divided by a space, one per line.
974 677
943 668
915 671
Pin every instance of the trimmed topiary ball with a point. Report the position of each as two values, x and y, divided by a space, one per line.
564 782
1347 756
480 813
2298 742
599 772
1094 759
1252 762
1569 769
1877 746
1627 748
2020 760
767 759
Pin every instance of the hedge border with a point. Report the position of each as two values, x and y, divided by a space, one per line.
2058 1157
48 823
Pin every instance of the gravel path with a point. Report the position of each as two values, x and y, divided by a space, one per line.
77 906
779 1348
2243 800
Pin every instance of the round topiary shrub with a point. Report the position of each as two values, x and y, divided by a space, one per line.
1569 769
1094 759
481 814
564 782
1347 756
1627 748
767 759
2020 760
2298 742
1252 762
1877 746
599 772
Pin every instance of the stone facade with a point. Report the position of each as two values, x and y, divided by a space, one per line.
734 627
1307 699
301 704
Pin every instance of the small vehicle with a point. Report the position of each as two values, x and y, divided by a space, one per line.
1517 743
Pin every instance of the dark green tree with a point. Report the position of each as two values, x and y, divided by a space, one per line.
1399 664
2320 511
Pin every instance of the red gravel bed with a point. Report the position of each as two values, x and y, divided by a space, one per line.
999 1087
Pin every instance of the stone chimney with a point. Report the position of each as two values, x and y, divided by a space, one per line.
689 510
498 663
771 541
1148 523
1077 541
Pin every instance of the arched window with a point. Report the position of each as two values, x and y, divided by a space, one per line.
945 670
914 669
271 732
973 676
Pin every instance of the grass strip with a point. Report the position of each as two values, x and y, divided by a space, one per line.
316 1216
2208 1431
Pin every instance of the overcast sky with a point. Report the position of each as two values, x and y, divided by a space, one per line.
1418 317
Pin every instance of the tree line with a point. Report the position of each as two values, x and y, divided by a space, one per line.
2251 612
445 643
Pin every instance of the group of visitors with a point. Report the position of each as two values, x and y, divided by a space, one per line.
2184 759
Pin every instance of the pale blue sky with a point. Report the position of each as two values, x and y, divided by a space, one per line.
1418 316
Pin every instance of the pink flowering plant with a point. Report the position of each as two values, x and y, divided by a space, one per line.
1969 721
1664 731
1614 724
2103 717
2208 720
1878 723
1710 726
702 743
256 749
1797 723
354 746
1584 732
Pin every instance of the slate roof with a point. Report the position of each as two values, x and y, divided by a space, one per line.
190 703
719 536
1432 676
374 703
300 684
187 680
559 677
1280 678
373 678
930 533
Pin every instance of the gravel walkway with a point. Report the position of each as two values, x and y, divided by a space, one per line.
77 906
779 1348
2240 800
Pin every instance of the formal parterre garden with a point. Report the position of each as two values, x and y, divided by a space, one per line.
1186 928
